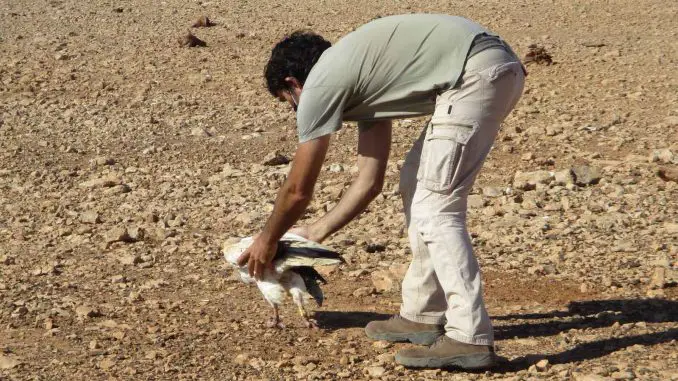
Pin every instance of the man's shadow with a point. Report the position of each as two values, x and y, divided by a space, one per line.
590 314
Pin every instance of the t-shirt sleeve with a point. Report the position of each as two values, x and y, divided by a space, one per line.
320 111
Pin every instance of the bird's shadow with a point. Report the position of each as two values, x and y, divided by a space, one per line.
333 320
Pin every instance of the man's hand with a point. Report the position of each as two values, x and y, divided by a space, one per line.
293 197
258 257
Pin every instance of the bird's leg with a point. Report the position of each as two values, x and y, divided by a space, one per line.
310 323
275 320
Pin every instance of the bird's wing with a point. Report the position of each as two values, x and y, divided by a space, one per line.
295 251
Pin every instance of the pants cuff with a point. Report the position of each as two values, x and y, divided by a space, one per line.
475 340
424 319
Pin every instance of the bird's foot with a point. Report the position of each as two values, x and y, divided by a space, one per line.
312 324
275 323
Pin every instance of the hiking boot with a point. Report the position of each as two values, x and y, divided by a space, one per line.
446 353
397 329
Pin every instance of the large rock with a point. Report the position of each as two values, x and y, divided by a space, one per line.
529 180
384 281
275 158
7 362
564 177
663 156
586 175
475 201
387 280
102 182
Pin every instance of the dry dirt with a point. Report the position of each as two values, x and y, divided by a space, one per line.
126 158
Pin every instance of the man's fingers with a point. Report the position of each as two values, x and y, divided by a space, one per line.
244 257
259 270
250 266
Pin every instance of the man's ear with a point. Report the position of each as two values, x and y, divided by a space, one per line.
293 82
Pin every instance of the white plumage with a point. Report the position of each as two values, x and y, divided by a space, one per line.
293 272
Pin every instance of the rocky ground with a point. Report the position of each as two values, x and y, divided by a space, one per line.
127 158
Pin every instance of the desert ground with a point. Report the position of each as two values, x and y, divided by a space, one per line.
128 158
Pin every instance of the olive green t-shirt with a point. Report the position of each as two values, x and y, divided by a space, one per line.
391 67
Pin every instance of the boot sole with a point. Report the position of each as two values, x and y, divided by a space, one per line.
467 362
419 338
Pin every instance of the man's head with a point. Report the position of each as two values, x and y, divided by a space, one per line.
291 61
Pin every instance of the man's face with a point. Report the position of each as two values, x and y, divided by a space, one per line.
292 94
289 97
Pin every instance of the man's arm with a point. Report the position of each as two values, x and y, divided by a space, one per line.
374 147
293 198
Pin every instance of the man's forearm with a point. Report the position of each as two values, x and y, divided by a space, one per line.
354 201
289 207
297 191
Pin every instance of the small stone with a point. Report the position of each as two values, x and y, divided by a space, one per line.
90 217
528 180
118 279
203 22
671 227
493 191
527 156
136 233
241 359
336 168
275 158
7 259
589 377
385 358
130 259
363 291
103 160
103 182
189 40
374 248
623 375
543 365
381 344
117 234
94 345
376 371
84 312
106 364
586 175
7 362
475 201
384 281
199 131
554 129
658 279
564 177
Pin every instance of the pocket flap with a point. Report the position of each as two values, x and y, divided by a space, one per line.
458 130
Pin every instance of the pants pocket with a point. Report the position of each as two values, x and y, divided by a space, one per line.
442 151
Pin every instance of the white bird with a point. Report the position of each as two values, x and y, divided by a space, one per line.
292 273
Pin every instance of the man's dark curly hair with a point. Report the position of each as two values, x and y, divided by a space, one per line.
294 56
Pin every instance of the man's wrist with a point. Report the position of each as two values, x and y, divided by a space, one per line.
317 232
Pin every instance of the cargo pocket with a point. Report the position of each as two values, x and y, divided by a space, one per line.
443 146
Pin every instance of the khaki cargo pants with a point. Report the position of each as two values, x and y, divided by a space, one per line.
442 284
